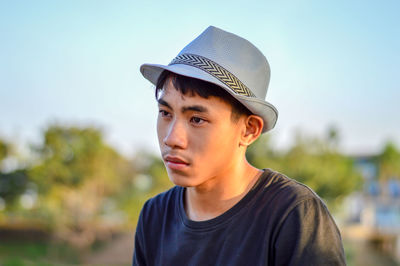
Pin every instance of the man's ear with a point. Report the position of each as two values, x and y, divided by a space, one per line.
253 128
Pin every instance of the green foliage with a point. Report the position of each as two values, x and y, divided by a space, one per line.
262 155
71 156
152 179
12 185
4 149
314 162
158 174
77 174
389 163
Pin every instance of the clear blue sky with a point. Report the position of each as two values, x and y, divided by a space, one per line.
77 62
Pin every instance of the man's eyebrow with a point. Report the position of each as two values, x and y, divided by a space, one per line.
162 102
196 108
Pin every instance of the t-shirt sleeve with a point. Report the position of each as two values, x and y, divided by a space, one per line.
138 253
309 236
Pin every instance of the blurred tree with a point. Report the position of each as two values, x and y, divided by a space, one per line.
312 161
333 137
389 163
329 173
72 156
76 175
152 180
155 169
4 147
12 184
262 155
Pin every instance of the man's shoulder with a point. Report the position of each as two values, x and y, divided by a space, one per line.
284 184
287 192
304 230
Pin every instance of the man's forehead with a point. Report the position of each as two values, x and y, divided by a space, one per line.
170 91
168 96
173 98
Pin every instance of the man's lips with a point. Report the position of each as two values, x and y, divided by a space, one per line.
175 159
175 162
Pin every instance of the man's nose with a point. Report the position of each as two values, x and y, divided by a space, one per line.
176 135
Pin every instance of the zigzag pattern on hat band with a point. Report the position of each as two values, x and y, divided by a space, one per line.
215 70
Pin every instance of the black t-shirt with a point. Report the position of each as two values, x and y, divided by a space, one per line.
278 222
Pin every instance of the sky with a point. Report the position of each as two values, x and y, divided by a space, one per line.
333 63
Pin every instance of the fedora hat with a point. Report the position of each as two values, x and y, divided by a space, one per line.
229 61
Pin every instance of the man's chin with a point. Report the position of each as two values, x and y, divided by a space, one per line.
182 180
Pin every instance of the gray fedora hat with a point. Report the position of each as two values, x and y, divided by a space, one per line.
229 61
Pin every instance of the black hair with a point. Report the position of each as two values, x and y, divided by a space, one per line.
192 87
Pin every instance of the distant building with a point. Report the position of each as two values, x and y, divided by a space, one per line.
377 207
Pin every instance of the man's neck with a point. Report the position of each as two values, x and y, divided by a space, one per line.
221 193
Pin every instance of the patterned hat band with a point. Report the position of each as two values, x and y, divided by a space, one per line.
216 71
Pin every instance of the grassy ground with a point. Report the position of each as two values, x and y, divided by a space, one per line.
359 253
16 253
118 252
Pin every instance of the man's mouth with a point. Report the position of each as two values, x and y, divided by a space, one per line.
175 162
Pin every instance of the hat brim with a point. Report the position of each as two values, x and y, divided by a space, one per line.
259 107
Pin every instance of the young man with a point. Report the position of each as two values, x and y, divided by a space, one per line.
224 211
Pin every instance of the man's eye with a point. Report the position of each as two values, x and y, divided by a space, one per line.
196 120
163 113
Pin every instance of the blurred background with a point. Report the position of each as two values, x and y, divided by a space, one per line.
78 148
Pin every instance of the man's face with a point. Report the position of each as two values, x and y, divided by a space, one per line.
197 138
